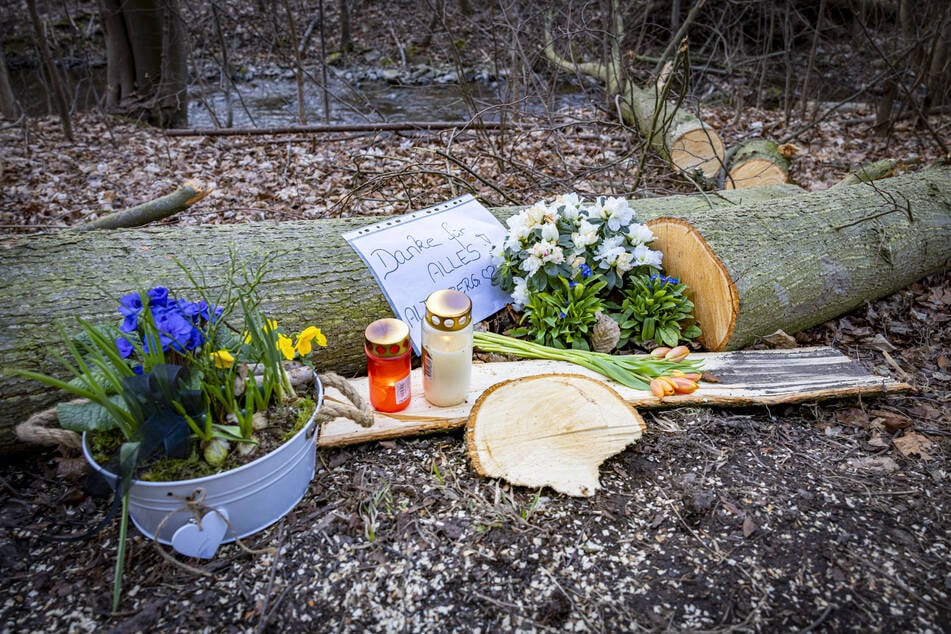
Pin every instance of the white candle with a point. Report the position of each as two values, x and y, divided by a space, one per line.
447 348
446 372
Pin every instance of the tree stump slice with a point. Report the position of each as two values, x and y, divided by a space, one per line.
550 430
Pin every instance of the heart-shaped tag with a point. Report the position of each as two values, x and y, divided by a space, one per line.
203 542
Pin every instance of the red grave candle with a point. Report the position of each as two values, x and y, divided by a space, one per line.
388 351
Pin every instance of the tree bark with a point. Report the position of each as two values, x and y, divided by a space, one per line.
797 262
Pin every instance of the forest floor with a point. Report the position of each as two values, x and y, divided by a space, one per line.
831 516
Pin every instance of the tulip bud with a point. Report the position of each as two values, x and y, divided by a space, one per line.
677 354
682 385
659 353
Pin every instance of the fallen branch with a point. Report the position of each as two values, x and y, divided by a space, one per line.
182 198
381 126
868 173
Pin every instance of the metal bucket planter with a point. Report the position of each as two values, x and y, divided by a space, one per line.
237 503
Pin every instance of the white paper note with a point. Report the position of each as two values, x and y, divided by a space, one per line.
444 246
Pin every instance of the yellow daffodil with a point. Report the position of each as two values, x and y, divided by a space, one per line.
309 336
223 359
270 325
286 346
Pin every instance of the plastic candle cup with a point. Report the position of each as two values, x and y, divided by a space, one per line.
447 348
388 353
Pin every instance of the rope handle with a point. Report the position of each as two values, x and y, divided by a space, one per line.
42 427
358 410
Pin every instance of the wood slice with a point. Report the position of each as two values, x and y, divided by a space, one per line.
550 430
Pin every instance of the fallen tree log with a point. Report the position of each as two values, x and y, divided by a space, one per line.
52 279
803 260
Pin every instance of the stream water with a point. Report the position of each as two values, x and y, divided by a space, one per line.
264 102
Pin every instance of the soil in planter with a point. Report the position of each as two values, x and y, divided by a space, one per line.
285 421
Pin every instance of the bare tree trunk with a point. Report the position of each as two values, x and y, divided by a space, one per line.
298 66
939 71
146 60
225 72
810 67
8 104
56 82
172 91
883 114
346 37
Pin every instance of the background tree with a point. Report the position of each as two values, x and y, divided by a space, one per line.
146 60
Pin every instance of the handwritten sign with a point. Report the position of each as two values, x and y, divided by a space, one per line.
444 246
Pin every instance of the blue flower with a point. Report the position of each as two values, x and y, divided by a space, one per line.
130 304
586 271
664 280
158 296
125 348
175 331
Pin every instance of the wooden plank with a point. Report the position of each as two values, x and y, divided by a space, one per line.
750 377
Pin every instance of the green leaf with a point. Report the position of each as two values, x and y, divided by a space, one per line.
88 416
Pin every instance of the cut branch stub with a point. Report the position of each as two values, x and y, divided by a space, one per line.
550 430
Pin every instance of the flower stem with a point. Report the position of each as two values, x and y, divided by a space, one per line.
631 370
120 554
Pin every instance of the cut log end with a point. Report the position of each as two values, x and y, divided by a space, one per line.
698 149
550 430
760 162
755 173
687 256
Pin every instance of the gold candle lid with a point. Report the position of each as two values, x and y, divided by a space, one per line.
448 310
387 337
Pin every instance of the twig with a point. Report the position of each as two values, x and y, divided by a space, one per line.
676 39
262 622
822 617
